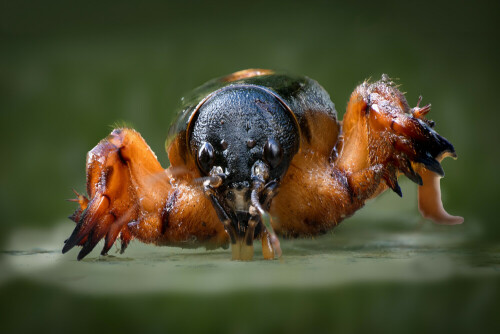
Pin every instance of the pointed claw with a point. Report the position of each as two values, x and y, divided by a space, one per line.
410 173
431 164
107 245
124 246
110 239
415 177
125 237
73 240
115 229
89 219
88 246
391 180
397 189
76 239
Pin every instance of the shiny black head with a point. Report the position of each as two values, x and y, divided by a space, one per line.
238 126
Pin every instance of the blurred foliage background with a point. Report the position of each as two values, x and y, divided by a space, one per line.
70 70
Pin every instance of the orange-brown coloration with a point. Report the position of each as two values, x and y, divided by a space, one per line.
267 248
317 194
333 174
324 132
126 183
310 201
429 200
248 73
181 162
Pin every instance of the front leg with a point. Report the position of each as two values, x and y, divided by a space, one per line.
131 195
382 138
380 128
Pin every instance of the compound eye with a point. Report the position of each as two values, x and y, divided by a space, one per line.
273 154
206 157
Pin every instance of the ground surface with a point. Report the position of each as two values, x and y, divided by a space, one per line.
381 270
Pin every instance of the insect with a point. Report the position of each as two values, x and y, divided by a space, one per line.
254 155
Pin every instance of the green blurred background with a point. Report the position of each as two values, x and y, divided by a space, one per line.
70 70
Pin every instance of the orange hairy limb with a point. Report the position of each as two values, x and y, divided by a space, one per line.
132 196
381 138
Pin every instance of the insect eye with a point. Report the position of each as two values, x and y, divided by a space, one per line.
273 154
206 157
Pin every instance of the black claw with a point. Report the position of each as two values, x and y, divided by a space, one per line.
88 246
75 237
106 249
428 149
124 246
73 240
397 189
431 164
108 243
410 173
415 177
84 252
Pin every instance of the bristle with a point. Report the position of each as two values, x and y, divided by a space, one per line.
421 112
419 101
